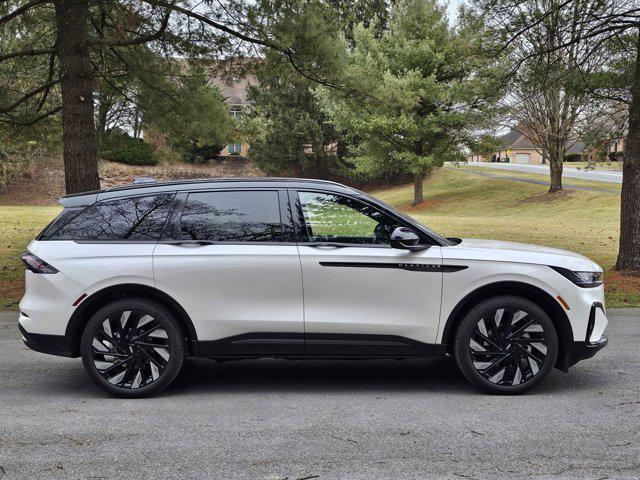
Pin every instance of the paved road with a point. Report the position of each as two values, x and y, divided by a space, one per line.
274 419
530 180
607 176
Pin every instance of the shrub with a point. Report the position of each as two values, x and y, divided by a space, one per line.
616 156
202 153
120 147
572 157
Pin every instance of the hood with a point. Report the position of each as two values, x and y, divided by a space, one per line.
495 250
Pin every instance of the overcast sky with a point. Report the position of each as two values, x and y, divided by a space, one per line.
453 8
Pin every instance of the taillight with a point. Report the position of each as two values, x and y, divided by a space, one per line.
35 264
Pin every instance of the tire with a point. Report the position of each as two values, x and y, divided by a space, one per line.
132 348
506 354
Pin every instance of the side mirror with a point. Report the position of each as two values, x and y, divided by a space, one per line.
406 239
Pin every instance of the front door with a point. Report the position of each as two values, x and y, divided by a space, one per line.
235 272
362 297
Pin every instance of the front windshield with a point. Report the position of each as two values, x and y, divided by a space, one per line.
435 235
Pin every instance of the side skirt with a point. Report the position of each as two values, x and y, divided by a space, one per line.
315 346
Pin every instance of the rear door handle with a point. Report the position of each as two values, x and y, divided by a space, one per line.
197 243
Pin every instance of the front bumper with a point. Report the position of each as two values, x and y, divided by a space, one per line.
584 350
60 345
594 340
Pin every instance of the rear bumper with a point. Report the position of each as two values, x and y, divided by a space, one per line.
60 345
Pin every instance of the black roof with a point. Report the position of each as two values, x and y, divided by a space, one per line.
86 198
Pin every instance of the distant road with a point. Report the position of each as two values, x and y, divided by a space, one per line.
568 172
519 178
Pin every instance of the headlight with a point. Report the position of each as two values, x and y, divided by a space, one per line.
582 279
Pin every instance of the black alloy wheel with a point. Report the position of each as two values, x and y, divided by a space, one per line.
506 345
132 348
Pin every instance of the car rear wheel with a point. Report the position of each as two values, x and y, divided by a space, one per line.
506 345
132 348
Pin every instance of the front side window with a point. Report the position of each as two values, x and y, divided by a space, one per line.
242 216
133 218
334 218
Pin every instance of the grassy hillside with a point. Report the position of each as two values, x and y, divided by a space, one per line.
457 204
18 226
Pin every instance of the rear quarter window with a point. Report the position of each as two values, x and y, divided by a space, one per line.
132 218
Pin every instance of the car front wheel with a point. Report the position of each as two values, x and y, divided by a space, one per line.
132 348
506 345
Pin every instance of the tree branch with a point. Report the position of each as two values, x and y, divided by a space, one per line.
34 120
23 9
26 53
28 95
217 25
141 39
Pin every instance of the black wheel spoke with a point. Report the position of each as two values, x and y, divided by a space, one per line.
525 368
491 369
510 370
131 349
487 353
154 358
484 338
146 333
110 369
537 358
520 327
508 346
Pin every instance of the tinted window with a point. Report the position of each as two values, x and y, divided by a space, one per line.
137 218
232 216
64 216
334 218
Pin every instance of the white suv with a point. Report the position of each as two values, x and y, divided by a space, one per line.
136 278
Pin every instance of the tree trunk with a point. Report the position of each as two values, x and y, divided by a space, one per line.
101 125
78 132
418 189
555 167
629 253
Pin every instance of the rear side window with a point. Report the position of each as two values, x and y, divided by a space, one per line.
242 216
133 218
64 216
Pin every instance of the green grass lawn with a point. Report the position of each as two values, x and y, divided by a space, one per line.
456 204
18 226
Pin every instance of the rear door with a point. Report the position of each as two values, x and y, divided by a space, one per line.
362 297
232 264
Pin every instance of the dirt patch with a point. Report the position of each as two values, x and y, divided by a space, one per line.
426 205
624 283
544 197
44 184
113 174
10 289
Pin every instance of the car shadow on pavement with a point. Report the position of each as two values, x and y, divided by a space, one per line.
66 378
319 375
420 375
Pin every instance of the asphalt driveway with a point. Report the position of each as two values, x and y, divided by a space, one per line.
273 419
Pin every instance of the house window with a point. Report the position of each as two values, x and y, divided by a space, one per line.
235 112
234 148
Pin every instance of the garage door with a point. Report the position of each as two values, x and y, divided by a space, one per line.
523 158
